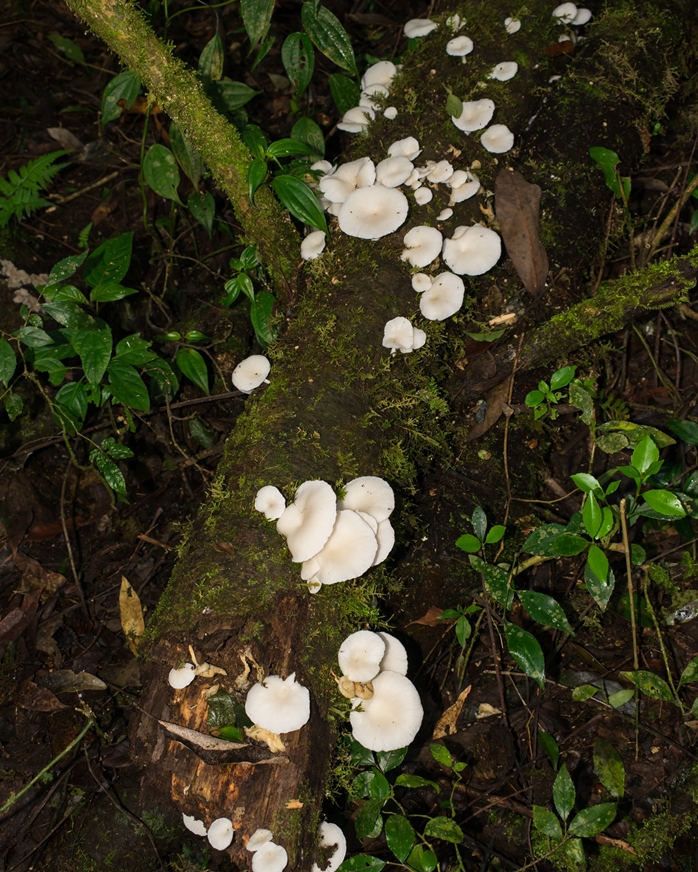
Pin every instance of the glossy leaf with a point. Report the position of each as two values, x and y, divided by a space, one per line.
574 849
256 173
479 522
469 543
563 793
187 156
68 314
592 515
134 350
664 503
444 828
256 16
54 367
109 262
608 765
687 431
592 821
600 591
607 160
568 545
620 697
690 673
415 781
497 584
306 130
8 362
192 365
562 377
584 692
463 630
400 836
255 140
650 684
108 292
64 293
65 268
33 337
369 821
109 470
441 754
546 822
422 859
13 404
233 95
69 48
345 92
388 760
362 863
94 347
607 523
264 49
360 756
524 648
115 449
126 86
161 173
203 207
598 563
73 397
645 454
298 58
127 386
211 59
329 36
164 378
545 610
379 787
541 540
288 147
262 317
550 746
495 534
300 201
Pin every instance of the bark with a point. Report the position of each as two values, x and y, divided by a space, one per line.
339 406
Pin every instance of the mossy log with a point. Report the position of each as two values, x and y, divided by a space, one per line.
339 405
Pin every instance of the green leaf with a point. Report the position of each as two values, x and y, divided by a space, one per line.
415 781
489 336
583 400
546 822
33 337
73 397
187 156
550 746
454 105
608 765
650 684
233 95
388 760
263 319
359 786
255 140
496 534
690 673
109 262
592 515
693 224
298 58
211 59
362 863
598 563
444 828
300 201
600 590
109 470
562 377
360 756
65 268
497 584
607 160
607 523
479 522
203 208
134 350
463 630
306 130
422 859
55 368
256 16
400 836
70 49
256 173
568 545
13 404
369 821
329 36
645 454
620 697
345 92
524 648
126 86
115 449
161 172
441 754
94 347
192 365
164 378
127 386
574 849
592 821
664 503
584 692
545 610
64 294
586 483
108 292
563 793
67 314
287 147
379 787
468 543
541 540
264 50
534 398
8 362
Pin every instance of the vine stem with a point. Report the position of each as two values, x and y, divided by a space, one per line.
633 621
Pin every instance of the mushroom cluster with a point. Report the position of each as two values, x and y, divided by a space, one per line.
568 13
375 82
267 856
220 834
334 540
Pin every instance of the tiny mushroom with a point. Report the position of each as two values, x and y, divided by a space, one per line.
582 16
443 215
408 147
250 373
313 245
258 838
497 139
278 705
416 27
360 655
459 46
220 833
385 533
565 13
356 120
475 115
270 501
421 282
308 521
423 196
391 718
504 71
194 825
472 250
400 335
381 73
370 213
423 245
440 172
332 836
512 25
269 858
444 298
182 676
390 113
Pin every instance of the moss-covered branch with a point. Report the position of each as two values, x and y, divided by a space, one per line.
175 87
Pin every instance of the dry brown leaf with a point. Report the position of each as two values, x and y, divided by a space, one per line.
132 622
496 400
446 724
517 204
37 699
431 618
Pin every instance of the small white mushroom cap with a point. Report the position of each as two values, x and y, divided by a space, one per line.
331 834
408 147
392 717
472 250
459 46
220 833
497 139
475 115
390 113
194 825
421 282
394 171
313 245
444 215
323 165
444 298
504 71
257 839
398 335
334 189
367 97
454 23
182 677
269 858
270 501
512 25
360 655
381 73
370 213
466 190
307 522
419 27
278 705
250 373
356 120
423 196
565 12
440 172
371 494
347 554
582 16
395 657
385 533
423 245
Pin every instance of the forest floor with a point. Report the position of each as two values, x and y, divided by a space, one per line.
67 543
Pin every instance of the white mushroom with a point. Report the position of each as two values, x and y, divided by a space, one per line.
369 93
504 71
371 494
440 172
182 677
497 139
459 46
582 16
269 858
394 171
465 190
360 655
194 825
390 113
444 298
331 835
370 213
443 215
250 373
416 27
423 196
398 335
423 245
475 115
270 501
313 245
408 147
346 178
278 705
385 533
391 718
472 250
565 13
258 838
307 522
395 657
421 282
512 25
381 73
347 554
356 120
220 833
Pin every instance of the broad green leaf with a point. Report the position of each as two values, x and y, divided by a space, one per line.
583 400
598 563
108 292
546 822
67 314
592 515
231 734
388 760
192 365
300 201
115 449
73 397
256 16
550 746
415 781
203 207
650 684
607 160
463 630
574 849
359 786
541 540
94 347
607 523
345 92
562 377
567 545
109 470
620 697
421 859
400 836
13 404
306 130
126 86
545 610
534 398
454 105
64 293
612 443
524 648
256 173
33 337
687 431
211 59
362 863
161 173
287 147
165 380
329 36
664 503
360 756
441 754
690 673
584 692
592 821
379 787
468 542
255 140
264 49
608 765
70 49
233 95
495 534
369 821
489 336
645 454
127 386
187 156
497 584
8 362
563 793
134 350
109 262
298 58
600 590
65 268
263 319
444 828
479 522
55 368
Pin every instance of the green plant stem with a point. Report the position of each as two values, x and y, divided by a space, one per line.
665 658
633 622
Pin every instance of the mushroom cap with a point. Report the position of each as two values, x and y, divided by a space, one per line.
395 657
407 147
398 335
331 834
356 119
370 213
390 113
497 139
258 838
565 12
444 298
385 533
423 196
424 245
583 15
440 172
360 655
466 190
475 115
512 25
220 833
421 281
371 494
182 677
504 71
334 189
269 858
419 27
347 554
472 250
278 705
381 73
369 93
250 373
444 215
394 171
313 245
270 501
308 521
392 717
194 825
459 46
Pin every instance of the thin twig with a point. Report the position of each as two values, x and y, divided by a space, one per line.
64 525
59 201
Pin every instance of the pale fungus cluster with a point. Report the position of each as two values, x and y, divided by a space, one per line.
267 856
220 833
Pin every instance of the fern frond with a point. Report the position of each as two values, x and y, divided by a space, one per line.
20 190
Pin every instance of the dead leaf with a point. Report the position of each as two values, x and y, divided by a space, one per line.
65 138
559 48
485 710
67 681
37 699
16 622
46 643
131 611
104 209
128 675
431 618
496 400
217 751
518 208
446 724
46 531
35 577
